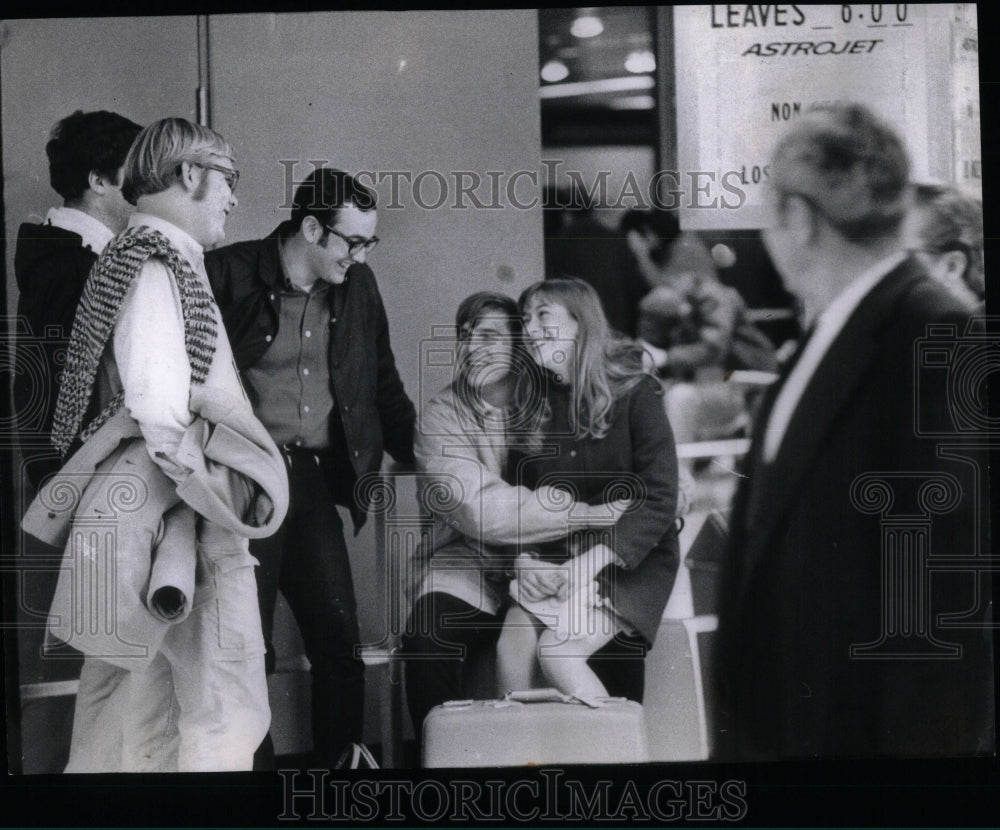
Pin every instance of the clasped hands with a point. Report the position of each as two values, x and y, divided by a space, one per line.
538 579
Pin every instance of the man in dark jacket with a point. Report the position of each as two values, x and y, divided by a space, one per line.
311 338
855 621
86 152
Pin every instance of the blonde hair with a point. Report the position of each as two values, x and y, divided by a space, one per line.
152 161
606 367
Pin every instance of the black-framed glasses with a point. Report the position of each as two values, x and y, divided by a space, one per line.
229 174
945 248
354 244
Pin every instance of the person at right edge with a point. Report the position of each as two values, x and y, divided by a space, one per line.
839 636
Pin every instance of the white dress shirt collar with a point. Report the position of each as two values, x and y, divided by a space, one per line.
190 249
95 234
829 323
836 314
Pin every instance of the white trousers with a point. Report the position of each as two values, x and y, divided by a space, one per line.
201 705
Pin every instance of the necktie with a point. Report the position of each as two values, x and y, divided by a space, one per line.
785 399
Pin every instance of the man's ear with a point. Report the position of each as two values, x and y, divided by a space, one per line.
955 263
800 218
98 182
189 175
312 229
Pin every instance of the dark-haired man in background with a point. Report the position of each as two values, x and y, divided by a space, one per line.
310 335
578 245
86 152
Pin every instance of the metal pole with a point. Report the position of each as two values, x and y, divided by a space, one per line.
203 107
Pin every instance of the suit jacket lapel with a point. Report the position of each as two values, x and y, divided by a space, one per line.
773 486
748 503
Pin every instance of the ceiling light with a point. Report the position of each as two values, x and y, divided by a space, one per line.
640 62
633 102
554 71
603 86
586 26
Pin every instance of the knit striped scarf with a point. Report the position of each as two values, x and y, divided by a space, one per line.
100 305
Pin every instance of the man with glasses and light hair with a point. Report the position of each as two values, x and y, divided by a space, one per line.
310 335
149 361
844 629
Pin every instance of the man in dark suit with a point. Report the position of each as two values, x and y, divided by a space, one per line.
855 532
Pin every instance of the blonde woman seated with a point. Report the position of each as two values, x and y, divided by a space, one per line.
605 435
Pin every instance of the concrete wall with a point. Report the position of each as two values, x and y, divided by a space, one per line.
421 93
143 68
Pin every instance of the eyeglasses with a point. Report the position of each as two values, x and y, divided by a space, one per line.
354 245
945 248
231 176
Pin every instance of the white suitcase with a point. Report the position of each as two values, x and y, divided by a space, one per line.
542 726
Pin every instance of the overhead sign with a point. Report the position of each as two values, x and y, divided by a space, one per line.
744 72
968 148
